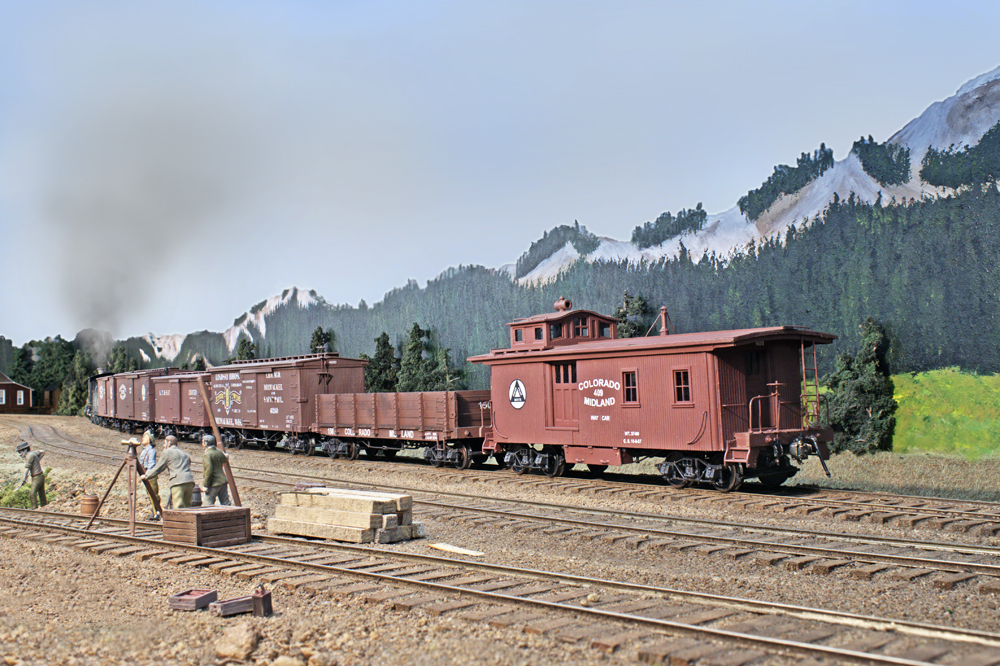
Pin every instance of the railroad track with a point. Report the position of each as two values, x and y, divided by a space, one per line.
980 519
654 622
818 552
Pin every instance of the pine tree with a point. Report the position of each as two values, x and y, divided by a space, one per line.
320 341
633 316
246 350
74 394
860 397
413 366
382 372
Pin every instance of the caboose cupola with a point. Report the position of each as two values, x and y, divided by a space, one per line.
562 327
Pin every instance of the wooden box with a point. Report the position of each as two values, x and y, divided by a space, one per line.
192 599
210 526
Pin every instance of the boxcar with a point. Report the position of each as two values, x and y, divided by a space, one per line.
719 407
260 401
180 408
126 400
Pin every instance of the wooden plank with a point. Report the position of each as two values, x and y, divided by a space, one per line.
335 532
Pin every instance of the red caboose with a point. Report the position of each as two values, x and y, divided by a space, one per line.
719 406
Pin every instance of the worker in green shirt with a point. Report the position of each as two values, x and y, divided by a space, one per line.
216 484
33 467
178 465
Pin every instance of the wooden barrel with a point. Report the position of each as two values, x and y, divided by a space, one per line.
88 505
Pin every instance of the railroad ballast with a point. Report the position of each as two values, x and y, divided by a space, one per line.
718 407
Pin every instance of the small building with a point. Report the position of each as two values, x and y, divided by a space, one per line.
14 398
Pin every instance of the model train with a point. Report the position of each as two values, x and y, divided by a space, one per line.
718 407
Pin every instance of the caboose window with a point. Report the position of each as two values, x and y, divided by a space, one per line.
631 386
538 333
682 386
555 331
518 335
580 327
565 373
604 330
753 362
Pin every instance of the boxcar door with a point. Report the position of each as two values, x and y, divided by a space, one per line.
565 405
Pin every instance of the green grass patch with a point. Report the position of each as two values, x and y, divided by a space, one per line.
948 412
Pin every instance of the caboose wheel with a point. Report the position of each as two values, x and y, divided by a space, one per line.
673 476
730 478
555 466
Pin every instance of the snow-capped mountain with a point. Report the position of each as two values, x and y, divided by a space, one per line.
959 121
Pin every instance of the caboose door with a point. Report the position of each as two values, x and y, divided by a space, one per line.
565 405
757 387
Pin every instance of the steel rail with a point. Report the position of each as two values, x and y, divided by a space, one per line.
949 566
833 617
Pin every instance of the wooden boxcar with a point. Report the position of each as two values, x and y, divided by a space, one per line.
126 400
180 408
450 424
718 406
260 401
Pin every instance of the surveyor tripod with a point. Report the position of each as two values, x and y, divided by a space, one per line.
134 472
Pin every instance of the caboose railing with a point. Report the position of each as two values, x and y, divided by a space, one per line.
810 391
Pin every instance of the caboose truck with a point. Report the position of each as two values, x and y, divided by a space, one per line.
719 407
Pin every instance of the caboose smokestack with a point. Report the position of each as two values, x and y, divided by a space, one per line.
562 304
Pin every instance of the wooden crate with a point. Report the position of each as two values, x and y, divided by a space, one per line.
192 599
211 526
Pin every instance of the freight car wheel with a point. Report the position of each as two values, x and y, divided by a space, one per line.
352 451
731 476
309 447
464 459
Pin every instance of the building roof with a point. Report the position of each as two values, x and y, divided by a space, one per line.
4 379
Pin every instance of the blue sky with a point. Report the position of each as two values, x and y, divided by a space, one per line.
164 167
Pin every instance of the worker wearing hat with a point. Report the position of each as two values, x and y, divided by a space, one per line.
33 468
216 484
178 464
148 461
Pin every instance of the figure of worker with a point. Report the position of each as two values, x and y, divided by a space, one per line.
33 469
178 465
216 485
147 458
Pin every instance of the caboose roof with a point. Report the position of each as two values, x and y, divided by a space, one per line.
553 316
678 342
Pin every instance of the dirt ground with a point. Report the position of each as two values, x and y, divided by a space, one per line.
68 606
65 606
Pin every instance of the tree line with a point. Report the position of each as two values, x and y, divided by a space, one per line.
786 180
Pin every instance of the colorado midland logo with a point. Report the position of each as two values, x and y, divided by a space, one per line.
228 398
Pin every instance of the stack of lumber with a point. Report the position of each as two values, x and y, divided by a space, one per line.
354 516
